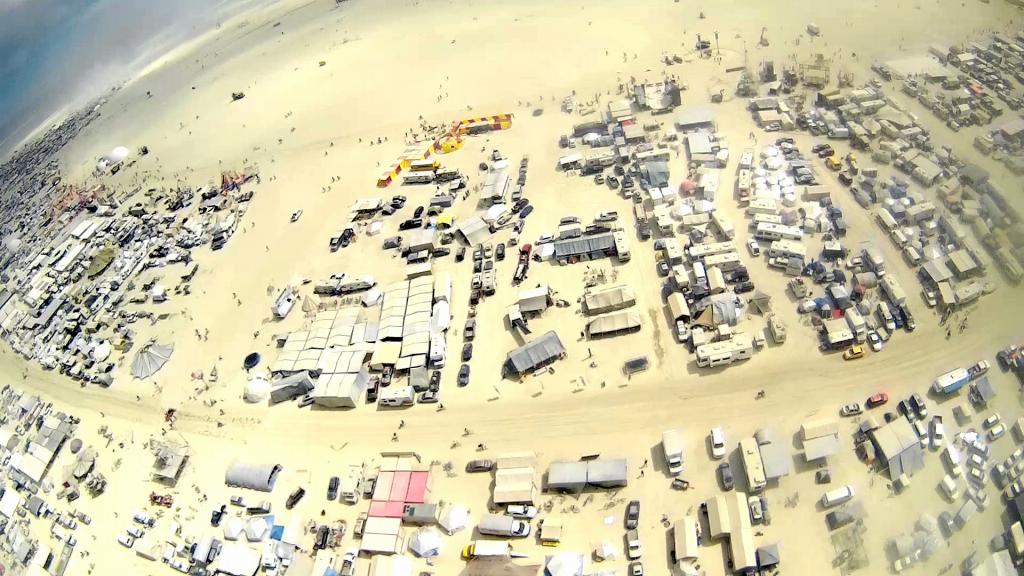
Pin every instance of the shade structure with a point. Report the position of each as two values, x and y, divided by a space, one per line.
151 359
605 551
567 564
455 518
426 543
101 351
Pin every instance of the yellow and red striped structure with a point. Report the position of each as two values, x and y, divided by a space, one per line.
448 142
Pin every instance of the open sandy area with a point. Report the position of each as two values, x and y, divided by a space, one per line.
389 63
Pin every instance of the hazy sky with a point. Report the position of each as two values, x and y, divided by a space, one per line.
59 52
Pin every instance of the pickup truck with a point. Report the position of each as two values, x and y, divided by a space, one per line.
978 369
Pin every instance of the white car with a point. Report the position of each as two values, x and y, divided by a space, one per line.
992 420
717 443
929 298
545 239
634 549
611 216
753 247
521 511
976 475
875 341
126 540
181 565
938 432
997 431
850 410
921 433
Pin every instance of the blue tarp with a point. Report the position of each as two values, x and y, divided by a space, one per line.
276 532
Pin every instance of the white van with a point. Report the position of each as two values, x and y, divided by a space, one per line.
952 454
949 488
396 397
886 317
837 496
500 525
912 256
126 540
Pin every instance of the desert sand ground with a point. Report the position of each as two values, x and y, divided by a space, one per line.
388 64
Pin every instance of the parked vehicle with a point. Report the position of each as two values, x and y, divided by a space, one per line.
837 496
479 465
632 514
725 476
294 498
332 488
876 400
717 438
850 410
464 375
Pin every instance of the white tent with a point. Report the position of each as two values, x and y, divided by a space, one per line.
101 351
151 359
605 551
234 527
565 564
256 390
455 518
426 542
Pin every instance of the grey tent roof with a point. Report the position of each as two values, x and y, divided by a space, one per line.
776 459
534 354
567 475
474 230
762 301
768 556
259 477
984 390
584 245
151 359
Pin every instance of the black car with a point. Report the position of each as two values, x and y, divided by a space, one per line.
903 407
526 212
392 242
785 139
410 224
347 236
335 243
321 538
217 515
470 330
744 287
725 476
417 212
488 264
332 488
478 253
371 392
441 251
398 201
294 498
499 252
385 376
467 351
435 380
460 254
464 375
520 204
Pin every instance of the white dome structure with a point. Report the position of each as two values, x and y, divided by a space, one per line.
256 390
113 158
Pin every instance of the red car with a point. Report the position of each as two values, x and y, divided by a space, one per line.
877 400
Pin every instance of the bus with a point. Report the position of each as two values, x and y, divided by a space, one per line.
723 225
769 218
699 251
766 231
753 466
417 178
787 249
425 165
885 220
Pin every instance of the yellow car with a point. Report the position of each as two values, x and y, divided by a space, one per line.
833 163
853 352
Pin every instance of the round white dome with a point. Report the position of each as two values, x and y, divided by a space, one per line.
256 390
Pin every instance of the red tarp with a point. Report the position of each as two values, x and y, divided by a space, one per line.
400 486
417 488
